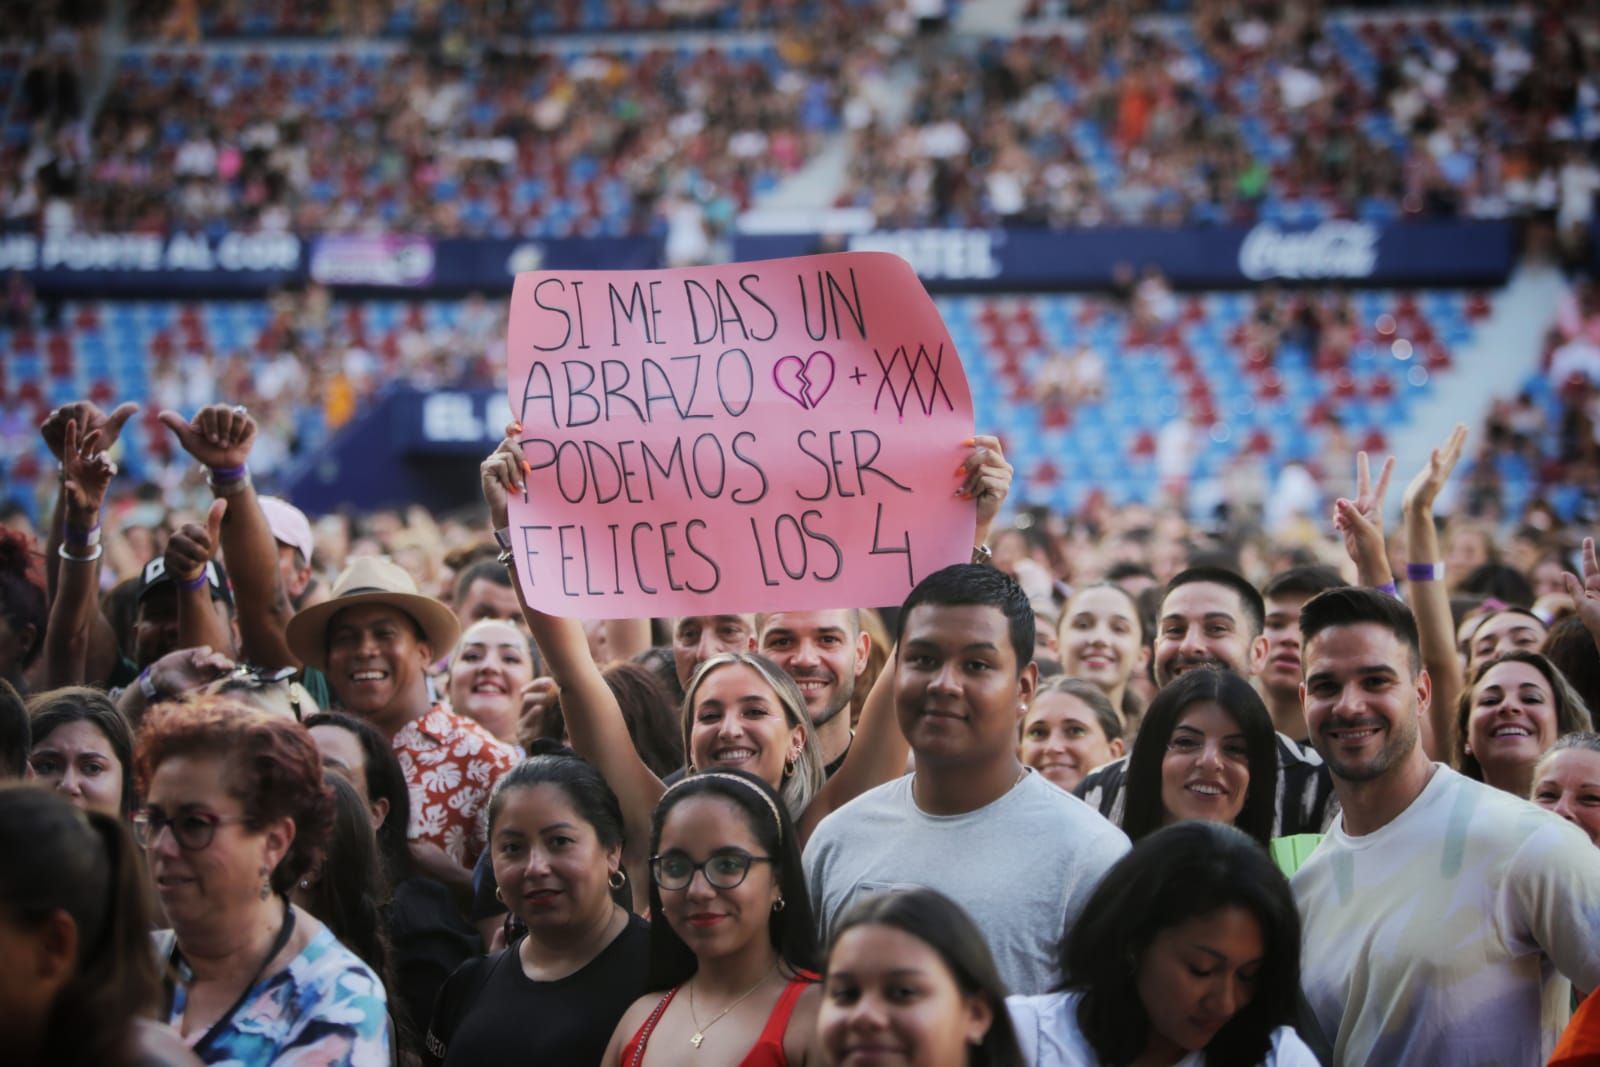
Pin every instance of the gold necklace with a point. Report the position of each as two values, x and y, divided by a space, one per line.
700 1031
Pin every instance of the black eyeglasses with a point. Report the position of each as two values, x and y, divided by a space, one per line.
725 870
193 830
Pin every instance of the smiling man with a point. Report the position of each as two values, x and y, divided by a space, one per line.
1020 855
1211 618
696 638
374 639
1440 914
825 652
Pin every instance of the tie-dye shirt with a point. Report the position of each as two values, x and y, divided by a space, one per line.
1450 935
326 1009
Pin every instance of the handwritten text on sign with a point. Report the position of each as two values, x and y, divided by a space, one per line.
745 437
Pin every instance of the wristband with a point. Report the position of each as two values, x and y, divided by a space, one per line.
238 485
147 687
1388 587
78 537
1425 572
981 555
95 552
191 584
502 537
224 475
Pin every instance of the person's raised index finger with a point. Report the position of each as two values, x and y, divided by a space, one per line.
1363 474
1591 564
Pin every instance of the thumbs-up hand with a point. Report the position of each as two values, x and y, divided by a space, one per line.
191 548
219 436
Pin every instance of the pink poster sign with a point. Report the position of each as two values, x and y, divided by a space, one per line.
735 438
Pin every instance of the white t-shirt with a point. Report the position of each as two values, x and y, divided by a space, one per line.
1444 936
1022 867
1047 1029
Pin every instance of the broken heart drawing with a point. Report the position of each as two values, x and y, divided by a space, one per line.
805 381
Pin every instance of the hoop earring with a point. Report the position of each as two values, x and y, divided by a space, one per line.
778 905
266 883
497 895
618 879
788 768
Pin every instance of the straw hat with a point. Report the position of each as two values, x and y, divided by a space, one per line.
371 580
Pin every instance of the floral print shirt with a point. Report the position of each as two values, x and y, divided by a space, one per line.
451 764
326 1009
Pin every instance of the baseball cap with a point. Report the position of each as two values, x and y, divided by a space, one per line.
155 575
289 525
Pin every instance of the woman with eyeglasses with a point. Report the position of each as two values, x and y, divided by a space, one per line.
83 749
555 838
235 809
733 953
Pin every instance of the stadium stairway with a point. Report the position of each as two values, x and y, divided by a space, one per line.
1520 316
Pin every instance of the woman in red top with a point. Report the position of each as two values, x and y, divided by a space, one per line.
733 951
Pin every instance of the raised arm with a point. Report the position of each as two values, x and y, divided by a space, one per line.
1585 591
1430 598
101 651
86 471
220 437
1360 522
595 724
188 552
879 752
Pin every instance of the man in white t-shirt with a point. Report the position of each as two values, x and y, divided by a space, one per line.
1443 918
1018 854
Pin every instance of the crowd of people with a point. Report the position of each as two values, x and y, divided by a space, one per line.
294 792
1234 113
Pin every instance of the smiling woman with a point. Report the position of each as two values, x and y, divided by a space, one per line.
1516 707
555 835
488 670
1070 729
1206 751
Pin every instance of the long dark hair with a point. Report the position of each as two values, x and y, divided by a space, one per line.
349 884
938 922
82 863
385 780
49 711
1174 875
1567 708
790 928
1143 812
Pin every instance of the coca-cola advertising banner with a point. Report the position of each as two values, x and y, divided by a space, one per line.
1333 252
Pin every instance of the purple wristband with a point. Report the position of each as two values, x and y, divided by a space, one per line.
78 537
229 475
1388 587
191 584
1425 572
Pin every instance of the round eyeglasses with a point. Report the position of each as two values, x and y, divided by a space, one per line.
193 830
724 870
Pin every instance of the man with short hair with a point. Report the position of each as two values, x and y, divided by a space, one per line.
483 591
696 638
1284 595
1442 917
825 652
374 639
1211 617
1020 855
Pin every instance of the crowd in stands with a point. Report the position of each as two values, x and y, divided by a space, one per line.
389 812
1284 114
1244 113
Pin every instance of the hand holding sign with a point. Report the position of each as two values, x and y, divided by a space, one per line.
734 438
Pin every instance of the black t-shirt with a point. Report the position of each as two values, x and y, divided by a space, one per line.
429 940
491 1012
